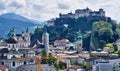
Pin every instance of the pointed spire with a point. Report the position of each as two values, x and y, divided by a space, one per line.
27 30
79 35
79 31
23 33
11 33
12 30
87 8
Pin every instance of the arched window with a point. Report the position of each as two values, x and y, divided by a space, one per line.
24 62
23 55
13 64
2 63
13 46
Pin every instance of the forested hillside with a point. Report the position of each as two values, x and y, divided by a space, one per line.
102 31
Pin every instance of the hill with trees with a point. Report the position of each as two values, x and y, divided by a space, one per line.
97 30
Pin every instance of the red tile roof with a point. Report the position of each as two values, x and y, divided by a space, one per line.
62 41
3 68
2 44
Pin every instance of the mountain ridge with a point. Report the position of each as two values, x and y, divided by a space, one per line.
16 21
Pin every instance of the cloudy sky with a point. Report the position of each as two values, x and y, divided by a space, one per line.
46 9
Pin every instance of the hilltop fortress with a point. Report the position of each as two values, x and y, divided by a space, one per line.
87 14
83 13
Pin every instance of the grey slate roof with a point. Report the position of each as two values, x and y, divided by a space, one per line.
11 40
33 67
13 52
23 51
37 43
104 67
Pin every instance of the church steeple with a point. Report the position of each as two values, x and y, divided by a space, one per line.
12 30
27 30
11 33
79 42
79 35
27 37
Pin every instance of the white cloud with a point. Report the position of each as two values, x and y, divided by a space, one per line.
47 9
112 8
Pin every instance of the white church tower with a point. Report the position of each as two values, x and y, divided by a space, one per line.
27 38
45 40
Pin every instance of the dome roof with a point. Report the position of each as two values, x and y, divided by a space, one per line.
79 36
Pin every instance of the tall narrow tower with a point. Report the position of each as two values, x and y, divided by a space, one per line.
45 40
11 33
27 38
79 42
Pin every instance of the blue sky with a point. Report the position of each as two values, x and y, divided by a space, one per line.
46 9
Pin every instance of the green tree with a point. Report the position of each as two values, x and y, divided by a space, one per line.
101 24
57 66
37 34
44 53
38 30
102 33
118 31
105 34
63 67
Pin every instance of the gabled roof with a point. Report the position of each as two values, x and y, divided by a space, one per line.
11 40
2 44
23 51
62 41
18 35
37 44
13 52
4 50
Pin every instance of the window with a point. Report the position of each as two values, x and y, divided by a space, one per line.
23 55
13 46
24 62
2 63
13 64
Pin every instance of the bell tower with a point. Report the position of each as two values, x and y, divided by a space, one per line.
27 38
11 33
79 42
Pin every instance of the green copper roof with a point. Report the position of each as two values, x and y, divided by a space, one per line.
11 33
27 30
79 35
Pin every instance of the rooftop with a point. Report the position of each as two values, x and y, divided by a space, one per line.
11 40
3 68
